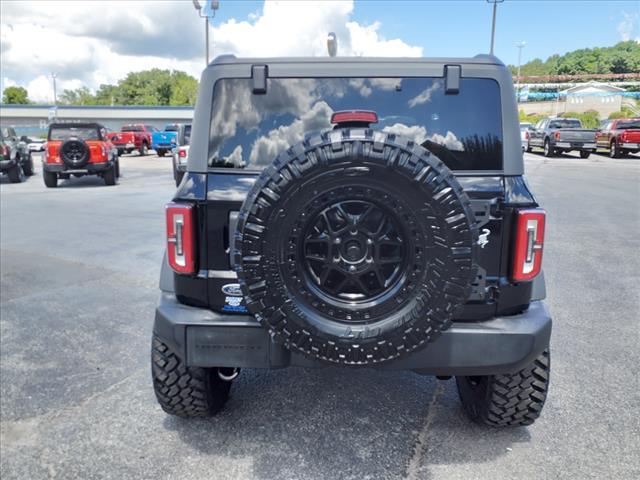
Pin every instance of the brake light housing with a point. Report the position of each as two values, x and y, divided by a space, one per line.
354 116
557 135
181 237
528 244
182 153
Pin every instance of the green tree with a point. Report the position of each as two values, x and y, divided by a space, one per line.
15 96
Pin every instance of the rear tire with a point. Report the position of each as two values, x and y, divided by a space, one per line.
528 150
508 400
27 167
15 173
548 150
185 391
584 154
161 152
614 151
143 149
110 175
50 179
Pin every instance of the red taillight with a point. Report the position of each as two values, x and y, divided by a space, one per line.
623 136
529 240
526 135
557 135
5 151
181 237
182 153
364 116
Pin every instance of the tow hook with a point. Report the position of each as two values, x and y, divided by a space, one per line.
228 374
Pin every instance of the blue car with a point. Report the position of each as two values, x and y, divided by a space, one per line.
165 141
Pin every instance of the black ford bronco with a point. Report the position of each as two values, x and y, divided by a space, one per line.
355 212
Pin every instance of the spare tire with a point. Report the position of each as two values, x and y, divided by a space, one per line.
75 153
355 247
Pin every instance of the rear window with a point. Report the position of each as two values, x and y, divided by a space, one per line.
249 130
627 124
171 128
132 128
187 135
569 123
83 133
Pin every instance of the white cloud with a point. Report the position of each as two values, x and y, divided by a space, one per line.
449 140
269 146
89 43
425 96
417 133
628 28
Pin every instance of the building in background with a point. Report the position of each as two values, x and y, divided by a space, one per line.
33 119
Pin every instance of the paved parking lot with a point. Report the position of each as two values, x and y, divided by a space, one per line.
79 270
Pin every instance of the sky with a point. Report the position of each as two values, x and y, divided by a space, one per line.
88 43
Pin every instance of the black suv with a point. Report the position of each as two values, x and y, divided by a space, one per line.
361 213
15 158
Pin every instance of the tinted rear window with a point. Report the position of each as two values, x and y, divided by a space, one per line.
629 124
187 135
83 133
131 129
565 124
249 130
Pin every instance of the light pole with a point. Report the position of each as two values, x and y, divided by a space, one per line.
493 23
520 46
206 11
55 93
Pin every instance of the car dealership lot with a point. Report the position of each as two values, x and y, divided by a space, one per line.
79 271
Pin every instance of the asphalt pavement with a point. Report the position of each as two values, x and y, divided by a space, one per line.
79 271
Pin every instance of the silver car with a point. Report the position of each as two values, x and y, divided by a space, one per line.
524 134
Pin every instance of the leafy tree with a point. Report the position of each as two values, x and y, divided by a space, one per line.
15 96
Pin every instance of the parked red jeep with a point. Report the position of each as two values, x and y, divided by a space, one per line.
133 137
79 149
620 137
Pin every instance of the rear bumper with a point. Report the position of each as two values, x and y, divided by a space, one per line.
568 145
208 339
88 168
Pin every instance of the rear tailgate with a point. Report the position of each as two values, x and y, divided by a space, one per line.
227 192
124 139
577 135
164 139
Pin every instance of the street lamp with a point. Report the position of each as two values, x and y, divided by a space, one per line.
206 11
493 23
519 46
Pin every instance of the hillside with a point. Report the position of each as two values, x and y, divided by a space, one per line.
623 57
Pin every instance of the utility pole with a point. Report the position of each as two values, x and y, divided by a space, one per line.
520 46
493 23
206 38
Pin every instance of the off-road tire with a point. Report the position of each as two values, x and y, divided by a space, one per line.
117 168
548 150
27 167
338 167
15 173
508 400
50 179
110 175
185 391
584 154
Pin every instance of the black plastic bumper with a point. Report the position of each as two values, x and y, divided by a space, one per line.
209 339
88 168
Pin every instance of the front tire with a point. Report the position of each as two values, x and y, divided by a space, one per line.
584 154
507 400
179 176
185 391
50 179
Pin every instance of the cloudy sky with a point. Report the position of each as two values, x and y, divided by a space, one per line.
94 42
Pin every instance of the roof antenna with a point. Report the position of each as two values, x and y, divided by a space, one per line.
332 44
